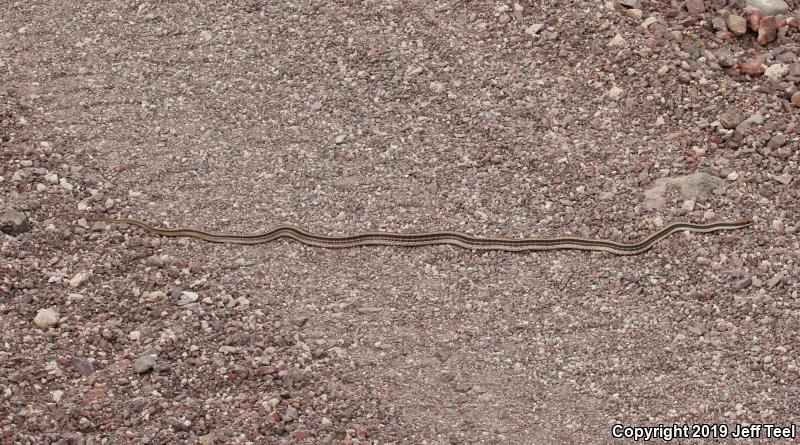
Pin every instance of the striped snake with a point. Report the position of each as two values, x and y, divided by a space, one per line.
433 238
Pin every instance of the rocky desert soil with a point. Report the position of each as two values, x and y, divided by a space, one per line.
599 119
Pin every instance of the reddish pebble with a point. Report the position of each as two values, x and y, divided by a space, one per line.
753 17
752 68
796 101
767 30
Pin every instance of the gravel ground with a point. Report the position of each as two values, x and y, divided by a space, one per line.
597 119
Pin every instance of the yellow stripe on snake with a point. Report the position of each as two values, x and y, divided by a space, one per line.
433 238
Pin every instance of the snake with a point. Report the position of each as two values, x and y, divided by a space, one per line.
446 237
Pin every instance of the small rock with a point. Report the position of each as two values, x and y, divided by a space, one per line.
796 99
144 363
339 139
46 318
695 330
769 7
636 4
83 366
774 281
188 298
534 29
718 23
617 41
13 222
635 14
732 176
730 118
695 7
784 178
767 30
291 413
744 126
368 310
78 279
616 93
208 439
753 17
776 141
742 284
784 153
316 106
776 72
752 67
65 185
737 24
725 58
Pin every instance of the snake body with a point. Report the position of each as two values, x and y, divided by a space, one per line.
433 238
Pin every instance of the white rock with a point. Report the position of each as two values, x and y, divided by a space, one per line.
534 29
732 176
57 395
134 335
46 318
617 41
616 93
65 185
79 278
769 7
649 21
776 72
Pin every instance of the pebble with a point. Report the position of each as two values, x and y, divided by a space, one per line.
744 126
65 185
737 24
188 298
769 7
634 13
796 99
368 310
725 58
695 330
732 176
291 413
617 41
83 366
616 93
46 318
752 67
695 7
784 178
730 118
14 222
144 363
534 29
718 23
742 284
776 72
767 30
78 279
776 141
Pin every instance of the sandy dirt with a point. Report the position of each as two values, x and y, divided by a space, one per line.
493 118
